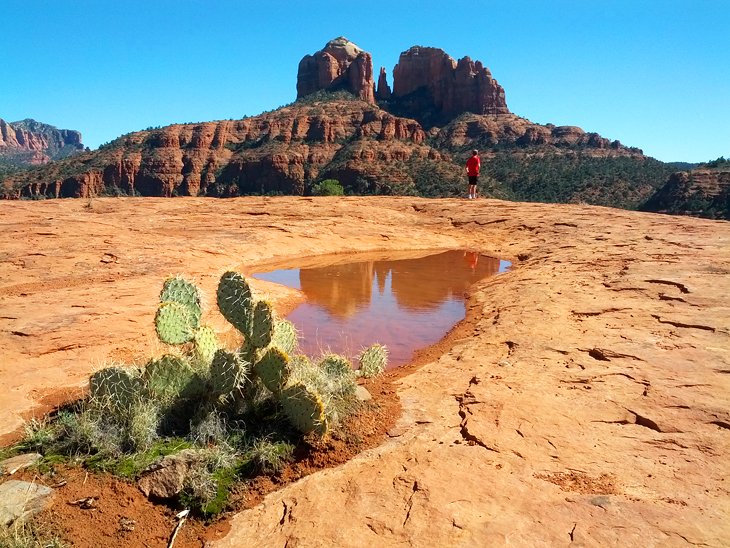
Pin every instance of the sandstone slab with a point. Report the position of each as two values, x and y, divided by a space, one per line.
13 464
21 499
584 400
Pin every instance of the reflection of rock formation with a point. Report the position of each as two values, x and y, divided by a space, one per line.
342 289
420 284
427 282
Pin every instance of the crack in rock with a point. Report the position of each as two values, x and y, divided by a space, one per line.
465 400
409 503
683 288
684 325
605 354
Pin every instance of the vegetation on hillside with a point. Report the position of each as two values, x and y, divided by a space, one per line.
686 193
615 181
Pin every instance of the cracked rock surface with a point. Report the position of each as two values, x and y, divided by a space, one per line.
585 401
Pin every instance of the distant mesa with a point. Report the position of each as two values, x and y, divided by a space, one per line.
29 142
428 84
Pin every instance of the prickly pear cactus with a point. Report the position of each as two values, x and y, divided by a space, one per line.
373 361
235 301
285 336
115 386
273 369
179 290
174 323
206 344
227 372
262 328
336 365
168 378
304 409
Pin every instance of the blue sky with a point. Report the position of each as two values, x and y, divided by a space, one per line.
651 73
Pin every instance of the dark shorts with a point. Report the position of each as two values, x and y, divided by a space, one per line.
473 179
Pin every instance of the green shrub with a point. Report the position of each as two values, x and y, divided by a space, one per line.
328 187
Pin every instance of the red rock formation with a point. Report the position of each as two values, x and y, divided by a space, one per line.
450 88
383 92
340 65
514 131
31 142
277 152
700 192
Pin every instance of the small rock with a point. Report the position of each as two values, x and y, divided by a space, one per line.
166 477
21 499
362 394
13 464
601 501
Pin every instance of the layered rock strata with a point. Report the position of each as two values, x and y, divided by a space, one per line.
341 65
34 143
447 86
702 192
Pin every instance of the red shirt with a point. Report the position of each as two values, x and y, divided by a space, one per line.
472 166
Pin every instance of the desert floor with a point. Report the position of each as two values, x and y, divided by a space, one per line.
586 399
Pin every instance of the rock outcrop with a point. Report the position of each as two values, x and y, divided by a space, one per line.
279 152
700 192
341 65
30 142
383 92
431 82
428 84
512 131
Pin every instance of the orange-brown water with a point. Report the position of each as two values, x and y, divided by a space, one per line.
405 304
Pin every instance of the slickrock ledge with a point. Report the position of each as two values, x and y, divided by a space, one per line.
584 401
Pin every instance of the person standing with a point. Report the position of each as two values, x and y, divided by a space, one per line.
473 165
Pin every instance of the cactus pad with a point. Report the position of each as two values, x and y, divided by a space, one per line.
304 409
173 323
206 343
179 290
168 378
373 361
235 301
336 365
285 336
116 386
262 328
273 369
227 372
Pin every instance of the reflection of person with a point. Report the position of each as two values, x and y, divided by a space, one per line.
472 172
472 257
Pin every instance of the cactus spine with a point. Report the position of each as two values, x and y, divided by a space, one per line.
373 361
304 409
115 386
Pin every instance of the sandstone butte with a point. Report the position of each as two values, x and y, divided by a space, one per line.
585 401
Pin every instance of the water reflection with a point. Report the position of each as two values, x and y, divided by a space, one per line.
405 304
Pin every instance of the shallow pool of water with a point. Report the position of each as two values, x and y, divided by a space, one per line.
404 303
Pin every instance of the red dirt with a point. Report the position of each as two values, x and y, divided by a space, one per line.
121 516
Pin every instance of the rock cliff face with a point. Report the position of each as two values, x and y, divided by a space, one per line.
341 65
429 81
428 85
511 131
700 192
33 143
277 152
